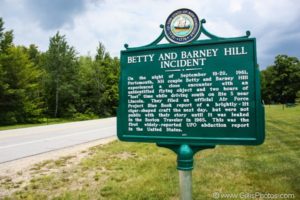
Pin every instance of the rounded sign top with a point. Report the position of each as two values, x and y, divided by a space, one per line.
182 26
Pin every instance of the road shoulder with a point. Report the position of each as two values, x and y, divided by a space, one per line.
13 169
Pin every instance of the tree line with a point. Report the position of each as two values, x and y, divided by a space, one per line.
280 82
58 83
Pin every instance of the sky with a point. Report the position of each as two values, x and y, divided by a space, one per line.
274 23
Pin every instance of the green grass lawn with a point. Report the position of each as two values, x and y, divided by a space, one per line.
135 171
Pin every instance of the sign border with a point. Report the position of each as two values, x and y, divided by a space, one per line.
259 109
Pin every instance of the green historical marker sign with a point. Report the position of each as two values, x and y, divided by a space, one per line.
191 94
196 92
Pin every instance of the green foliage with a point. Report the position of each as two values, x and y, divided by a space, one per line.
20 100
56 83
61 68
298 97
6 38
99 83
109 76
281 82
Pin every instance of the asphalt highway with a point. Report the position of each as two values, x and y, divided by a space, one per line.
19 143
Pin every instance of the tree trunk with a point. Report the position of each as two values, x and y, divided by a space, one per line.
56 99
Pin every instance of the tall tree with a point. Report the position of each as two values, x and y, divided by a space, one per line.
5 41
267 92
286 80
99 83
87 85
23 99
109 71
34 54
100 52
19 101
6 38
61 66
281 81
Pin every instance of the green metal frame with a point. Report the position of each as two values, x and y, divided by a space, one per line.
185 154
162 35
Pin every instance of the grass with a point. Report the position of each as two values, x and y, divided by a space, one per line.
136 171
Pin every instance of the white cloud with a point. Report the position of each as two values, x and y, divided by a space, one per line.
235 5
116 22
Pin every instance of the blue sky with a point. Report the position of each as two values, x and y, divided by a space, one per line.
275 23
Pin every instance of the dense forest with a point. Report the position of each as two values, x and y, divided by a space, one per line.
59 83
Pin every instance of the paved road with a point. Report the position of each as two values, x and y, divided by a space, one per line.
20 143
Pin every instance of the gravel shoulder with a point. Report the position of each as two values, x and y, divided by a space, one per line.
21 168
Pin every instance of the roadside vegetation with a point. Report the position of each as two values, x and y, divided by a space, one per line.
280 82
55 84
121 170
58 84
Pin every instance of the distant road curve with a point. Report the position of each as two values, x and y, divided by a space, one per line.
20 143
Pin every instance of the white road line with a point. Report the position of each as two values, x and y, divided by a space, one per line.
52 138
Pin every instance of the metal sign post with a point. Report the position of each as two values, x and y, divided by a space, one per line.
185 161
185 184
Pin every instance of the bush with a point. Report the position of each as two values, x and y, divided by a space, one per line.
85 116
